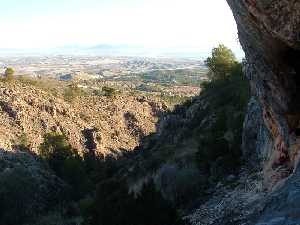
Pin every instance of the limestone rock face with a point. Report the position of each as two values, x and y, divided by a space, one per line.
269 34
257 142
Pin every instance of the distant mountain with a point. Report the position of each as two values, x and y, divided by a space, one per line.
115 50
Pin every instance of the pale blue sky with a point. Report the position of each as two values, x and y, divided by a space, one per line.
190 24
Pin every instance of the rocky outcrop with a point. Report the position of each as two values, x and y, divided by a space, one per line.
269 34
102 124
233 204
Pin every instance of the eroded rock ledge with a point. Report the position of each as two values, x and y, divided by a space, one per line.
269 32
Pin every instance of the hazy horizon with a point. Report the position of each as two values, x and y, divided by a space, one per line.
153 28
113 51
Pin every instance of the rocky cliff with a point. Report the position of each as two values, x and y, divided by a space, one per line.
269 34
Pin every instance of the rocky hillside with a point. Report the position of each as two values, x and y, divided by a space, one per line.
98 123
197 147
185 159
210 160
266 188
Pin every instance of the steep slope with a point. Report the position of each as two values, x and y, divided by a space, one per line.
26 183
103 124
197 146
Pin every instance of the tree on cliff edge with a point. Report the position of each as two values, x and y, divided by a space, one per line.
221 62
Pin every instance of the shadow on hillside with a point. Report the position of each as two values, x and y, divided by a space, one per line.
57 184
195 146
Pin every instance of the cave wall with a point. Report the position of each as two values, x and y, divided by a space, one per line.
269 32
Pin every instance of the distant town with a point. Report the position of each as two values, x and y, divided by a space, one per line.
92 66
155 75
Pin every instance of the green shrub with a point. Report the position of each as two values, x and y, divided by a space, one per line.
49 85
97 92
109 91
151 208
115 205
219 155
27 80
22 143
9 74
220 63
227 94
180 185
72 92
66 163
17 194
